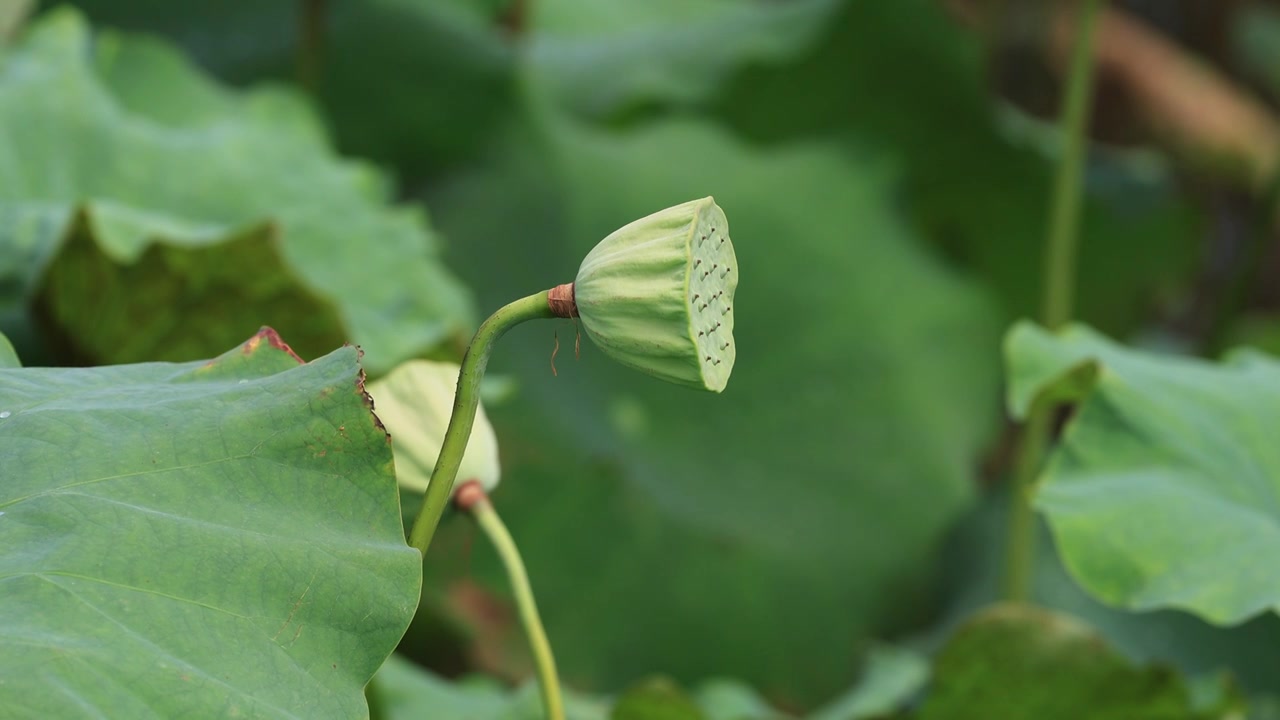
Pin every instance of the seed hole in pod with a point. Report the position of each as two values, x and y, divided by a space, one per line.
717 362
704 307
726 310
705 274
716 327
726 346
697 262
701 333
695 297
708 358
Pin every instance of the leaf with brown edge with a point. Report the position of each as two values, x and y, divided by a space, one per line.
206 539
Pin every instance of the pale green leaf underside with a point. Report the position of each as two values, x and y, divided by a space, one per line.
213 539
8 357
1165 488
415 402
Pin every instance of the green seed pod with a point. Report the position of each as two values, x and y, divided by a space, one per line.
657 295
415 402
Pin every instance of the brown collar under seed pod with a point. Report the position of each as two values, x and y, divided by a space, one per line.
560 300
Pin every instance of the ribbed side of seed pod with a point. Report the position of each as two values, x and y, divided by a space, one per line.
656 295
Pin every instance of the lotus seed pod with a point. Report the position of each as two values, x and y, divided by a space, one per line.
657 295
415 402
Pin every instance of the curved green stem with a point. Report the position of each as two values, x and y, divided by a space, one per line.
543 660
1059 290
464 411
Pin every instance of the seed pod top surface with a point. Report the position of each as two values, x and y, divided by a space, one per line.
415 402
657 295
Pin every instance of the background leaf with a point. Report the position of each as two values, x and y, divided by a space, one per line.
901 77
1018 662
972 580
612 59
425 96
206 539
1162 491
254 219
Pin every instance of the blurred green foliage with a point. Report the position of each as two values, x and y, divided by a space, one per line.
1021 663
887 210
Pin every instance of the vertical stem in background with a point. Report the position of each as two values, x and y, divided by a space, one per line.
1064 218
473 499
1020 554
464 411
1059 290
311 22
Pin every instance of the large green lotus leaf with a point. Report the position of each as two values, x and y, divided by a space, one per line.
1161 493
143 203
209 539
785 507
1017 662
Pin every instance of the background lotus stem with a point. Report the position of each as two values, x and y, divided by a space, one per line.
1059 285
